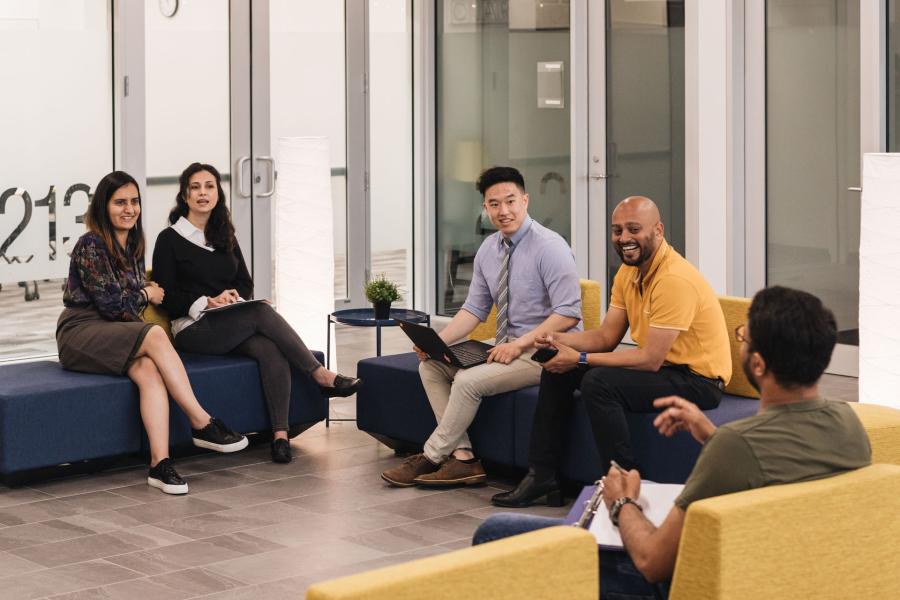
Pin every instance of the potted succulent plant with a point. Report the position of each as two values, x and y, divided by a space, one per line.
381 292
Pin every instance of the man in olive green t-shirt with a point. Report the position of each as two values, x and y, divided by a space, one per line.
796 436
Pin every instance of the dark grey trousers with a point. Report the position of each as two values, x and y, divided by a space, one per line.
256 331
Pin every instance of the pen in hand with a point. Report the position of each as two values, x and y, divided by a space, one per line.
619 467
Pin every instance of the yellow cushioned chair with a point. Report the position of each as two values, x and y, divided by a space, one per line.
833 538
553 563
883 426
590 312
735 310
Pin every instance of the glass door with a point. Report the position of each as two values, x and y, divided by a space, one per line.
813 158
636 100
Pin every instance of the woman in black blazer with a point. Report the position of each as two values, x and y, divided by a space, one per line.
198 262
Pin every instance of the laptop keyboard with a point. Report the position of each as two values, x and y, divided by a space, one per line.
467 355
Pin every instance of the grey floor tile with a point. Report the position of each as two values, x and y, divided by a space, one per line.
193 554
195 582
71 486
64 579
77 550
230 521
142 589
39 533
10 564
13 496
268 491
199 483
165 510
312 528
420 534
280 564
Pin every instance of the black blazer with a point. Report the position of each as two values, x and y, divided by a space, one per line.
186 271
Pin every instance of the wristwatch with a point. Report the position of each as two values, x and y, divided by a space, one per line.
616 508
582 358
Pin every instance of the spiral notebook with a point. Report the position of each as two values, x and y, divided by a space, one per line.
656 499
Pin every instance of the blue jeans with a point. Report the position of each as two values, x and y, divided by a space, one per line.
619 578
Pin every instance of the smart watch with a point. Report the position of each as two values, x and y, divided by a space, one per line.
582 359
616 508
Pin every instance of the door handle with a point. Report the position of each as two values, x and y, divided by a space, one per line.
597 176
271 162
854 189
240 176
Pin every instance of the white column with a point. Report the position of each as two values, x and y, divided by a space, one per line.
879 281
708 92
304 238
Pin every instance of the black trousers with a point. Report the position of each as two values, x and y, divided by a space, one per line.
259 332
608 393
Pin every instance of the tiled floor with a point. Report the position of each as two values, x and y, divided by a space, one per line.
249 528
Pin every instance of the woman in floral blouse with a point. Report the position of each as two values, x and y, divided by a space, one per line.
101 331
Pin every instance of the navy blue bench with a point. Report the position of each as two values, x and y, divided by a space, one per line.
50 416
393 408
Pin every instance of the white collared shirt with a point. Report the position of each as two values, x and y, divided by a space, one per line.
187 230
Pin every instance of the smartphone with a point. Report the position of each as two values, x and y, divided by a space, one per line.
542 355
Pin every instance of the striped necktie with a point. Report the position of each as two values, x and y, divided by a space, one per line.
503 296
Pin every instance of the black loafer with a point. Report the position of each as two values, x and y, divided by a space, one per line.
529 491
343 387
281 451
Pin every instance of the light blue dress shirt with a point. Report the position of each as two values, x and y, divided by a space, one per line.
542 278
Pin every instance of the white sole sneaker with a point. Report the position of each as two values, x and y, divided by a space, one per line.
226 448
168 488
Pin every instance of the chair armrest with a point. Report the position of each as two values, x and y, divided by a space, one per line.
825 539
558 562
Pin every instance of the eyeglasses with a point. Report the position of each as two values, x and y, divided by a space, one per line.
739 332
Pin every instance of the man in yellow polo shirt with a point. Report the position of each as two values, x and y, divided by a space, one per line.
682 349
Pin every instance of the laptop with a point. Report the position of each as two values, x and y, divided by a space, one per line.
463 355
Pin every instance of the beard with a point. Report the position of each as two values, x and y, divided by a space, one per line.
745 364
645 253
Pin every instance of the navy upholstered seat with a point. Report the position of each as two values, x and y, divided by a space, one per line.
50 416
393 405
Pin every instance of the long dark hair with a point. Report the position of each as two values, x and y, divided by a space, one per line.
219 231
97 220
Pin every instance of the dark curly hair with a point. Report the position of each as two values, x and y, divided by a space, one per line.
495 175
97 220
794 333
219 230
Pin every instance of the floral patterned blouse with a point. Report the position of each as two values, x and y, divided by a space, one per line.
95 280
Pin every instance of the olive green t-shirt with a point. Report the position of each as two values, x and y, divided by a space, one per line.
783 444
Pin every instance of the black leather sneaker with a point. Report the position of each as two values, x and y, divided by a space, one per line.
281 451
164 477
217 436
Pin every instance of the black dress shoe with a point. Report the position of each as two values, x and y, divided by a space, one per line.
343 387
528 491
281 451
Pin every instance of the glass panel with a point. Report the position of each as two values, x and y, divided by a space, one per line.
308 96
812 152
893 76
390 143
502 99
645 111
188 109
56 121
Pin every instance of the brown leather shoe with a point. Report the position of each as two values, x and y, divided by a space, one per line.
453 472
403 474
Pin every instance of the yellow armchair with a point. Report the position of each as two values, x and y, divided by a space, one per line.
156 315
559 562
590 312
735 310
833 538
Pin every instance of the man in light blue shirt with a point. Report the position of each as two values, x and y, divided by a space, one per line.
528 272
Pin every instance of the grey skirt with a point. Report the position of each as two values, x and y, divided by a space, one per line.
89 343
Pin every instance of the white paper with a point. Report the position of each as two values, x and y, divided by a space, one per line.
656 499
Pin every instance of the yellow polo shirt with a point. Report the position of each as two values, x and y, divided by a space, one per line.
674 295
